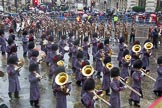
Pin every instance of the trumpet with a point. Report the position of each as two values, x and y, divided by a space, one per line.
144 72
109 66
87 70
129 86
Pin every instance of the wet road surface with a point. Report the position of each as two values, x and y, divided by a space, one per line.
47 99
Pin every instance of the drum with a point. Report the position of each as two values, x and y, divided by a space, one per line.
1 74
66 48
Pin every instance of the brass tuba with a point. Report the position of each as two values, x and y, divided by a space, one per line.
109 66
127 58
148 46
87 70
136 49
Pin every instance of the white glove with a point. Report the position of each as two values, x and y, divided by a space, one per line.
94 97
142 74
125 86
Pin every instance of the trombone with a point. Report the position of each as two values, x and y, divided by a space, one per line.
144 72
129 86
106 102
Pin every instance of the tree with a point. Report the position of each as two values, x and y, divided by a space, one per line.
138 9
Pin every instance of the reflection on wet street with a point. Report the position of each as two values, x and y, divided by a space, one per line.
47 99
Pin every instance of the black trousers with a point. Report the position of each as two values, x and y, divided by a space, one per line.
155 41
132 38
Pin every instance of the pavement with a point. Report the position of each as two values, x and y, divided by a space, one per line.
47 99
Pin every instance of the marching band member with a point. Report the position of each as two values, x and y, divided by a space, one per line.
52 64
31 35
13 73
48 49
31 46
70 43
78 68
84 63
56 66
25 43
85 48
106 76
53 52
116 88
134 57
10 44
42 42
34 60
158 85
94 45
11 35
99 59
2 42
74 53
107 49
121 49
61 92
88 98
136 84
62 44
13 51
145 57
34 79
125 65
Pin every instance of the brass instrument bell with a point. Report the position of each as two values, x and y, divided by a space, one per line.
127 57
136 48
87 70
61 78
148 46
109 66
60 63
21 62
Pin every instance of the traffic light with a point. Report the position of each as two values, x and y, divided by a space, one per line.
35 2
